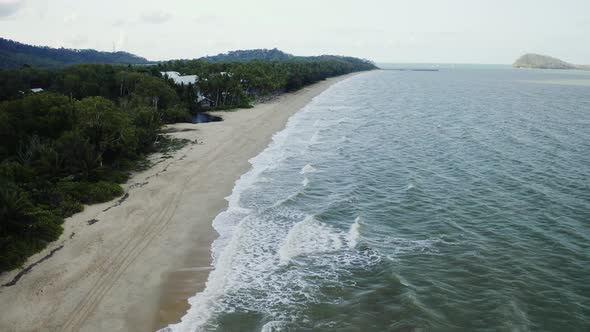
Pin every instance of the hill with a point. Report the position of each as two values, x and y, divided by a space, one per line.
278 55
14 55
249 55
531 60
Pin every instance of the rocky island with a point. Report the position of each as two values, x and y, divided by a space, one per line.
538 61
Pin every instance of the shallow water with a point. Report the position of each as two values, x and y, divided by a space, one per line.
205 117
412 201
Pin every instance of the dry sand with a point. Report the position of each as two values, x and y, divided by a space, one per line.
131 264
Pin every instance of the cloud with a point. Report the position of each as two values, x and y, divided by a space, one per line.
207 19
121 42
78 41
10 7
119 23
71 18
42 8
155 17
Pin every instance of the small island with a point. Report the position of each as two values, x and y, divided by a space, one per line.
531 60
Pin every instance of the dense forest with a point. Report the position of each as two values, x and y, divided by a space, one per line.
77 140
15 55
250 55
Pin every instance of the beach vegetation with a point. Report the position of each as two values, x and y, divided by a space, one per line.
78 139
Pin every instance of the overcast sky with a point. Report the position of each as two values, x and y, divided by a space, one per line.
444 31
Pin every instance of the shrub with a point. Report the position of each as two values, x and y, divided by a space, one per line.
90 192
102 192
14 171
175 114
24 228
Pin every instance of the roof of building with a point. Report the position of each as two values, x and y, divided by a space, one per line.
179 79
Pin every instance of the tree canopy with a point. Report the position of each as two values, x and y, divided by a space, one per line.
14 55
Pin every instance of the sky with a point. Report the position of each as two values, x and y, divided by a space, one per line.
414 31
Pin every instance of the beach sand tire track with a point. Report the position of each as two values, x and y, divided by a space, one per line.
129 252
115 268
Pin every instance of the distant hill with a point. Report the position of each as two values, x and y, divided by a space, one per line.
277 55
249 55
14 55
544 62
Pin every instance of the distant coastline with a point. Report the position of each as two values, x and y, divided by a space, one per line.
410 69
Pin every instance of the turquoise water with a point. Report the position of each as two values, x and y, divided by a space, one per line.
456 200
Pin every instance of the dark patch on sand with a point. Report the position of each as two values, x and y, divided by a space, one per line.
119 202
30 267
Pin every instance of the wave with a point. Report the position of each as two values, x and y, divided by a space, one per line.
307 169
354 233
393 247
309 237
266 247
315 138
230 227
345 120
274 326
305 182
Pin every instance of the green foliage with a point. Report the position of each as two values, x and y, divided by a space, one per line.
16 172
24 228
154 92
250 55
90 192
44 115
105 128
75 143
14 55
176 114
147 122
234 84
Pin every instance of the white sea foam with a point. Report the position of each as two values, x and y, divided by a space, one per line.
254 240
274 326
309 237
225 247
315 138
354 233
307 169
345 120
305 181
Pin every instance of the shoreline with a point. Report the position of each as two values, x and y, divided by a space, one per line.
132 263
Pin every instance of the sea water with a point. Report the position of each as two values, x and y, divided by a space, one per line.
456 200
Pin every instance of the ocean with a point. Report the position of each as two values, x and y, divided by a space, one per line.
455 200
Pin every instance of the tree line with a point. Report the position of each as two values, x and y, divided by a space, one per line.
77 141
250 55
14 55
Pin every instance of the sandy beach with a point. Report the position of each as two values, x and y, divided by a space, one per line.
130 264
